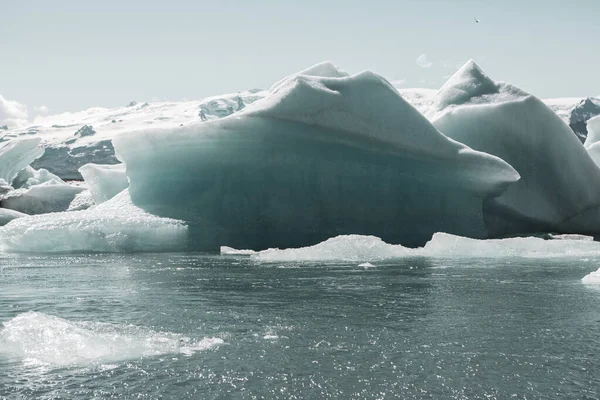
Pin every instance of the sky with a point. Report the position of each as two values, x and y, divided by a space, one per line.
69 55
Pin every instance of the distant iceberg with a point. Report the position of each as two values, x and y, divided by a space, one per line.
317 157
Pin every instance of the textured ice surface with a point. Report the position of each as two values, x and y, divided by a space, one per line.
82 201
48 197
114 226
593 278
16 155
370 248
7 215
317 157
104 181
559 188
40 339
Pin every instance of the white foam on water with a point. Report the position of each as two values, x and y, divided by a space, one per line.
45 340
593 278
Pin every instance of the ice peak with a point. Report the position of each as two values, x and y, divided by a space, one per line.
325 69
468 82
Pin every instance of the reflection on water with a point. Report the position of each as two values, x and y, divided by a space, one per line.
196 326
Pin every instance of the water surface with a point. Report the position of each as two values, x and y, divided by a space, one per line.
192 326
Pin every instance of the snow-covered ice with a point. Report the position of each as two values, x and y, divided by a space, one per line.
317 157
113 226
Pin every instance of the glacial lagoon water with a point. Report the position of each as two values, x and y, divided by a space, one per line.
193 326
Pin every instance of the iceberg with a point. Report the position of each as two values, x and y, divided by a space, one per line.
104 181
317 157
29 177
48 197
359 248
559 190
16 155
113 226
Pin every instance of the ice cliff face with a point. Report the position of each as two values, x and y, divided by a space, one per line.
559 188
317 157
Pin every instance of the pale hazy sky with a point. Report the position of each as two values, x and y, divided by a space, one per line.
74 54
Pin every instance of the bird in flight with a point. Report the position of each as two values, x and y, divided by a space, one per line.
476 20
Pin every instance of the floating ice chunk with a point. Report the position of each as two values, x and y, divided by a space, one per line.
346 247
104 181
316 158
559 190
16 155
366 265
593 278
445 245
40 339
113 226
7 215
48 197
230 251
442 245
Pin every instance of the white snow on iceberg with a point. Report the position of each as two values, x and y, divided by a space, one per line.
317 157
114 226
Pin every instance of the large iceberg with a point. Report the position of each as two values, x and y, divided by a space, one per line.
559 188
113 226
104 181
317 157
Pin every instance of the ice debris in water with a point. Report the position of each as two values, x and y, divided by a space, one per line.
362 248
593 278
40 339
